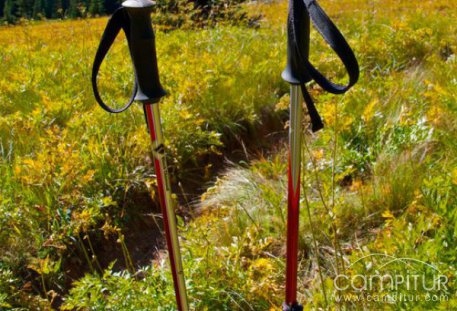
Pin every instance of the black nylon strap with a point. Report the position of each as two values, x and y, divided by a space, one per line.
335 39
316 121
119 20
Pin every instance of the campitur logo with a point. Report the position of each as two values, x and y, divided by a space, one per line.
381 278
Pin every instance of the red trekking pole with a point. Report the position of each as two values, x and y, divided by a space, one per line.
135 20
298 72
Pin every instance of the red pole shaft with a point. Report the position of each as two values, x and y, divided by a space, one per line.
293 199
169 218
293 212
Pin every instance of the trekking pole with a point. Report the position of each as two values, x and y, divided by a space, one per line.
298 72
134 18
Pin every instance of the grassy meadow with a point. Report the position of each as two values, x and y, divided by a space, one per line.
79 220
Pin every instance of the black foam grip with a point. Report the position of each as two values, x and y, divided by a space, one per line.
298 26
143 53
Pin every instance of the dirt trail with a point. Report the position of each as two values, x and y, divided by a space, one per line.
143 228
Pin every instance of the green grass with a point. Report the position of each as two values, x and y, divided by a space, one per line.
380 178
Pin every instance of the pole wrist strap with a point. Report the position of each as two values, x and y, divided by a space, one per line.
335 39
339 45
119 20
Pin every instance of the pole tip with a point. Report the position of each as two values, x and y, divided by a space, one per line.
293 307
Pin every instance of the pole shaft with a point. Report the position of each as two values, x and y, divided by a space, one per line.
169 217
295 136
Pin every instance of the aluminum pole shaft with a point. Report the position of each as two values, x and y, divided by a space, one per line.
169 217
